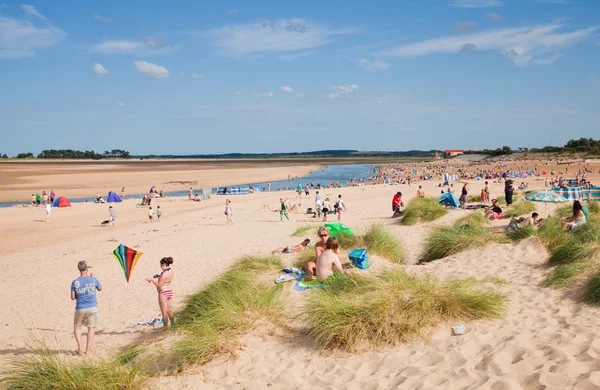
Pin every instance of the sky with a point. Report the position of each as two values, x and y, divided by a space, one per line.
190 77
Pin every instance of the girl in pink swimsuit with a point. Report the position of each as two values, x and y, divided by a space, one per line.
165 291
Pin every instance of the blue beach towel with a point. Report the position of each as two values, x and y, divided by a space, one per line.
302 285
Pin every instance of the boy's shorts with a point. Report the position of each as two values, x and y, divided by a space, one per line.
86 317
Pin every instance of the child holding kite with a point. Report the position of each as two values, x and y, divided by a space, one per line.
162 282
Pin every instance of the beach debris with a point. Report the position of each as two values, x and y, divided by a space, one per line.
458 329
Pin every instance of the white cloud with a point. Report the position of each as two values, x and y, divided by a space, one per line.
468 49
100 70
260 94
342 91
151 70
299 95
150 46
522 45
494 16
476 3
198 76
374 65
102 19
286 89
121 104
594 80
290 57
31 11
20 38
233 12
465 27
546 61
237 93
284 35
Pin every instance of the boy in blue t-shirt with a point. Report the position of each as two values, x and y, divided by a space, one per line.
83 289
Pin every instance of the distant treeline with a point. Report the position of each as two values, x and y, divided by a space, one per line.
75 154
585 146
318 153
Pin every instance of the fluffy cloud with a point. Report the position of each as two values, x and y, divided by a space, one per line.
342 91
198 76
102 19
290 57
31 11
151 70
523 45
465 27
150 46
20 38
374 65
286 89
494 16
266 36
260 94
121 104
477 3
468 49
100 70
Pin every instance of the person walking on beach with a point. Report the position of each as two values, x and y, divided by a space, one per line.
420 192
508 192
111 215
123 193
326 209
269 186
150 214
83 290
228 212
339 206
191 194
487 191
299 190
52 196
48 211
464 196
158 213
283 211
163 282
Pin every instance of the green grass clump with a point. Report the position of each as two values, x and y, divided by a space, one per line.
572 252
551 235
591 292
467 233
44 369
303 230
381 242
357 312
303 258
518 209
519 234
424 210
474 199
214 318
593 208
565 274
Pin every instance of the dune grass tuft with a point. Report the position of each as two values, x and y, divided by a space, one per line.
551 235
591 292
572 252
467 233
214 318
423 210
44 369
518 209
357 312
304 230
565 274
474 198
303 258
377 240
517 235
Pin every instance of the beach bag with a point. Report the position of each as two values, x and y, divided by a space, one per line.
359 258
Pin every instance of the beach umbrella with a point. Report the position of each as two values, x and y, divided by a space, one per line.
127 258
546 197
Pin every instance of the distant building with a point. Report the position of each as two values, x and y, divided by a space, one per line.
453 152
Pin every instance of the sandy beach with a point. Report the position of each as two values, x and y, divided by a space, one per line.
547 339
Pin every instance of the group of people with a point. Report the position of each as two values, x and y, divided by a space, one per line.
324 208
83 291
42 199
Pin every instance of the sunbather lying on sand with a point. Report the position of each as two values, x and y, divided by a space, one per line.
293 249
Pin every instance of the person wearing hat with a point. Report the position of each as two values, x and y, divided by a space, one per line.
83 290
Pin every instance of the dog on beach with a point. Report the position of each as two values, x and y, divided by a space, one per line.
105 223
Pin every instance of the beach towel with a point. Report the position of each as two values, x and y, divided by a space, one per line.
302 285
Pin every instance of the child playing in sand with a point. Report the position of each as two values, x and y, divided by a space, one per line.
327 262
158 213
483 196
283 211
48 211
111 215
151 214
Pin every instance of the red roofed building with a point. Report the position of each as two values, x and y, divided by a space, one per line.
453 152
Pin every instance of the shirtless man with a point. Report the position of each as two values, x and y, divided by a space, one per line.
329 261
420 192
320 247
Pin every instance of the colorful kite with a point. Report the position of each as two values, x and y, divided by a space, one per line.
128 258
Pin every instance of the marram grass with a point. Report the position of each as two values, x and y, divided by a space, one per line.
44 369
565 274
304 230
377 240
214 318
518 209
422 210
591 292
359 312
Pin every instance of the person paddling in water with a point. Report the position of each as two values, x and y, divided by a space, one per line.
163 282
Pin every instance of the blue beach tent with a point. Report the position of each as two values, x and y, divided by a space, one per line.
449 200
113 198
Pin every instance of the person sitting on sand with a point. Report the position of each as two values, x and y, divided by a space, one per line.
293 249
494 212
320 247
328 262
575 220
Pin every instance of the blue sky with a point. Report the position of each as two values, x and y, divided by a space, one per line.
190 77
